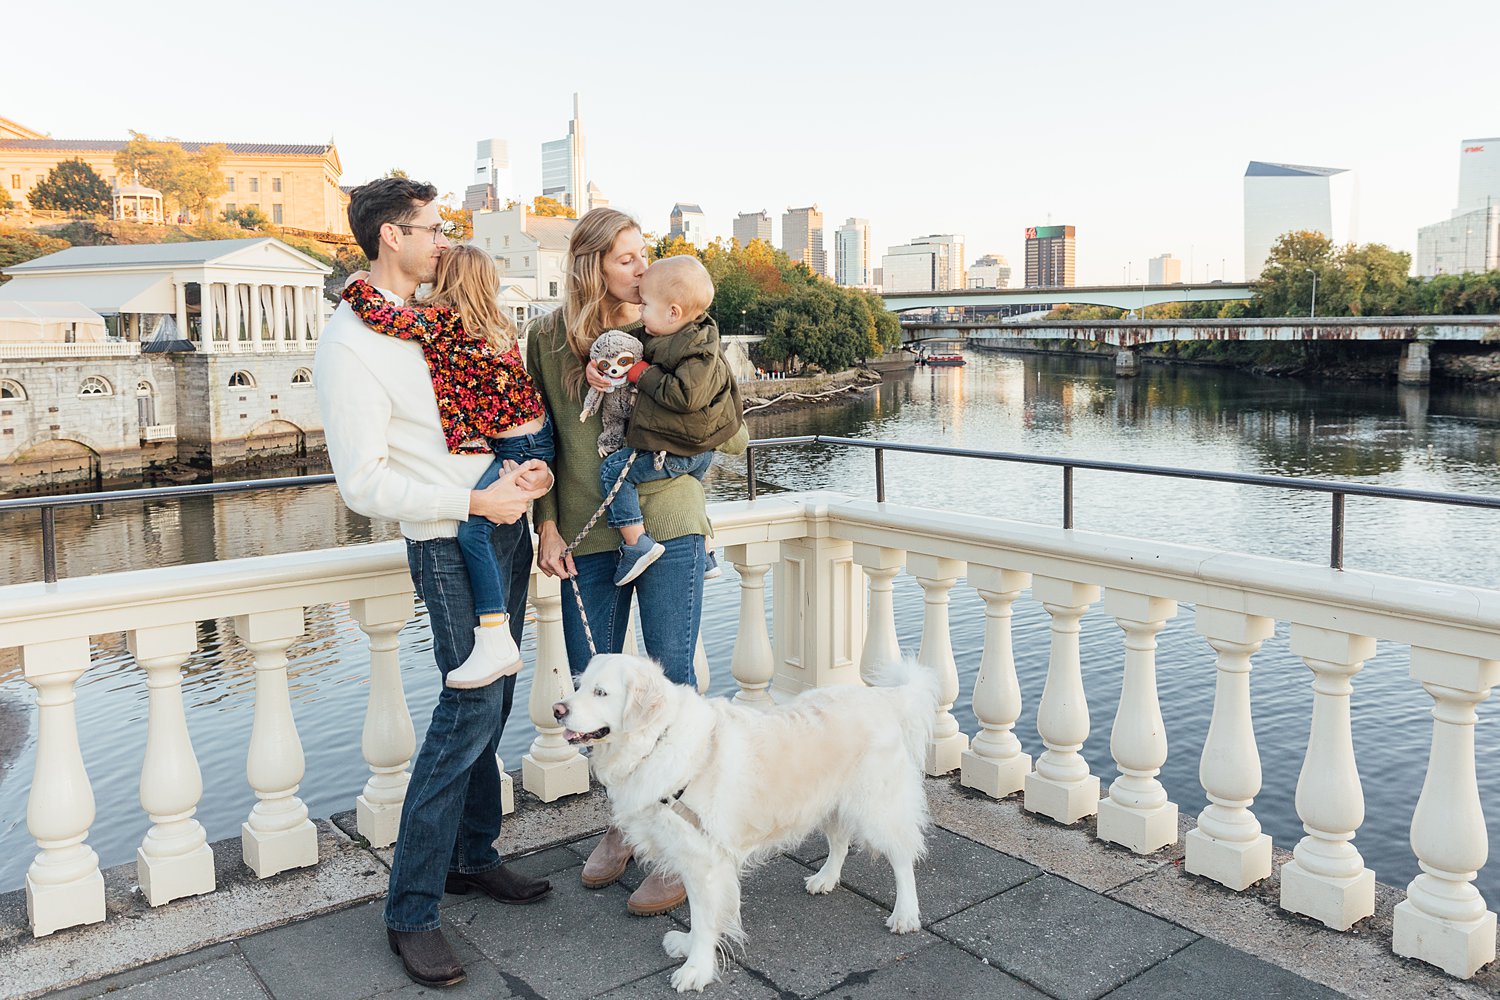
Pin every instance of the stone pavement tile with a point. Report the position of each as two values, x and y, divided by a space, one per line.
736 983
806 944
484 982
956 874
1069 942
574 945
1208 969
226 978
941 970
341 955
141 974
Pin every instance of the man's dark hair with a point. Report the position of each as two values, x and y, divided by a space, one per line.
389 199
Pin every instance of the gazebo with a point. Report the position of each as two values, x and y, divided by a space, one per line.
137 203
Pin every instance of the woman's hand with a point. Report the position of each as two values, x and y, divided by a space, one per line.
551 557
597 379
505 500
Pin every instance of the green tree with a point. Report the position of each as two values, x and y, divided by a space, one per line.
543 206
72 186
17 246
1285 284
188 180
1372 280
246 217
6 204
397 172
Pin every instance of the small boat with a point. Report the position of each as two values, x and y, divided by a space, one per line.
938 360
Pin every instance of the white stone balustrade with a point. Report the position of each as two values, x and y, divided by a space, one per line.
174 859
937 577
1136 813
830 556
1061 786
994 762
1328 880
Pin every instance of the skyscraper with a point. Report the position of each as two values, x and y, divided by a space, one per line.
563 176
926 264
802 237
851 253
1164 270
1050 253
1469 240
687 222
1282 198
751 226
990 271
490 187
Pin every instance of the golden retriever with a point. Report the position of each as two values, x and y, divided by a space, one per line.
704 787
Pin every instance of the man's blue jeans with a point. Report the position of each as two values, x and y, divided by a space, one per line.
451 818
625 508
671 599
489 547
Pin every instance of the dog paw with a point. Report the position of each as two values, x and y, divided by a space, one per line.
903 923
693 977
675 944
818 883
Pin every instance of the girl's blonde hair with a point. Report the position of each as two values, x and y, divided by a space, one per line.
468 284
584 288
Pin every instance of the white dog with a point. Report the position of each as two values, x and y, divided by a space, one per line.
702 787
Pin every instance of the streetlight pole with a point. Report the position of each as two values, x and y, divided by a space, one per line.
1313 313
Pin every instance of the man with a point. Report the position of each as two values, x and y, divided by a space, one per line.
391 461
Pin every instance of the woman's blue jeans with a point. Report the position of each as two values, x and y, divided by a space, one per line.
451 818
488 547
671 599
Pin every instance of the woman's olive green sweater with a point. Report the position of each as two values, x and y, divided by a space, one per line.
671 507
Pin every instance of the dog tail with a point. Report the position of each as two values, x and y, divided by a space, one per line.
921 689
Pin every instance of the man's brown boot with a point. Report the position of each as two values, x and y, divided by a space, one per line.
607 861
658 894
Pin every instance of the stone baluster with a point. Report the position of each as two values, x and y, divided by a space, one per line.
1328 880
63 884
1443 920
174 859
507 788
1136 813
1227 845
881 565
554 767
278 835
1061 786
994 763
388 739
937 577
753 662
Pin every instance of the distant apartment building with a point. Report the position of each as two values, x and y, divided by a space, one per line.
1469 240
990 271
1051 253
802 237
1283 198
530 254
295 186
687 222
851 253
926 264
1164 270
752 226
490 187
563 176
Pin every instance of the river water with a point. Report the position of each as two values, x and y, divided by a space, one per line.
1440 438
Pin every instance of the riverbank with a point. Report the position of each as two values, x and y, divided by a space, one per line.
1477 364
815 390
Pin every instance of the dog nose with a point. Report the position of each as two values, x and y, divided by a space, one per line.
559 710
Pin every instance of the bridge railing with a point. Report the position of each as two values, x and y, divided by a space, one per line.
832 561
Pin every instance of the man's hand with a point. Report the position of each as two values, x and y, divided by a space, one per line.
596 378
505 500
550 557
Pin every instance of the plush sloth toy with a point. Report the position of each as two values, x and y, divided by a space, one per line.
612 355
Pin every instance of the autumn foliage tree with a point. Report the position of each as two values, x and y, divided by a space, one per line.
72 186
188 180
546 207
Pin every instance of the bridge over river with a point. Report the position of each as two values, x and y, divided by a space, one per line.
1415 332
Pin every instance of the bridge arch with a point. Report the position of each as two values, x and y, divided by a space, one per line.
275 437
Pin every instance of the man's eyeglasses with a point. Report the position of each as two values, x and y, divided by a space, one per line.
435 230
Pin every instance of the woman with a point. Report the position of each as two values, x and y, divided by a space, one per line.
606 259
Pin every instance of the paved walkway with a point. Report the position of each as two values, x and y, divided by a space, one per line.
994 927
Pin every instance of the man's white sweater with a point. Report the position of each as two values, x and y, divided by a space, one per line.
384 437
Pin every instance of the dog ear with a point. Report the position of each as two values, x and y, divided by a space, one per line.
647 698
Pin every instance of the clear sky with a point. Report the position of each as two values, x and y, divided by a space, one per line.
1131 121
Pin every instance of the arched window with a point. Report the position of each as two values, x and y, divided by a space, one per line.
242 380
143 388
95 385
301 377
11 390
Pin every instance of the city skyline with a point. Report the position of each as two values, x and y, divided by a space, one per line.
1140 177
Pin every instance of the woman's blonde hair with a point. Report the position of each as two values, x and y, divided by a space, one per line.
468 283
584 289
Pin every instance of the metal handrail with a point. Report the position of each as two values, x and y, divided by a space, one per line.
1337 490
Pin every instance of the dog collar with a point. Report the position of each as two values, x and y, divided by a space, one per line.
674 802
